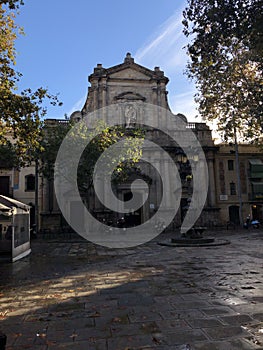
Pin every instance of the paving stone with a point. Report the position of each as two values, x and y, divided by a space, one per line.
236 319
155 307
224 332
258 316
88 333
116 317
249 308
184 337
240 344
131 342
125 288
164 347
104 306
170 347
20 335
219 310
134 299
144 316
173 325
28 346
168 299
181 314
233 300
76 323
204 322
67 307
193 296
186 305
119 330
93 344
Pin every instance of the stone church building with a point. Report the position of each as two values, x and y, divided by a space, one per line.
131 85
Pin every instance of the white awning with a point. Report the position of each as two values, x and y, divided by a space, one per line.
11 203
255 161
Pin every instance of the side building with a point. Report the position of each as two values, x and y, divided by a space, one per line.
251 183
20 184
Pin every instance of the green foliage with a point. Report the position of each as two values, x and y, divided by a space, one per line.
12 4
102 137
226 62
53 135
8 158
128 154
20 113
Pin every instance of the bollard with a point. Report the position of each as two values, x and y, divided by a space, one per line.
2 341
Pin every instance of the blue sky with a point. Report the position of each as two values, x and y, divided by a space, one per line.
65 39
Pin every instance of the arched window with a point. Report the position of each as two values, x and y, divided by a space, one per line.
30 182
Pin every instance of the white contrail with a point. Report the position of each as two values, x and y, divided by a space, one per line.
78 105
165 46
166 49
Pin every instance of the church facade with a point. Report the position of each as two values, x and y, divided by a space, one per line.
131 86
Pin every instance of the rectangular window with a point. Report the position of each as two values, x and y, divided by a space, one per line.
232 189
4 185
230 164
30 183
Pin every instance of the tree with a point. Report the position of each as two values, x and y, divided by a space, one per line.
128 154
226 63
20 113
12 4
8 158
53 135
102 137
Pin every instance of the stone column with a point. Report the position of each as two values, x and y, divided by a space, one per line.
104 99
163 94
156 163
211 187
95 98
154 95
45 195
104 91
167 180
158 95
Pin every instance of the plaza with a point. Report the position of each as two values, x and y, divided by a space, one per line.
73 294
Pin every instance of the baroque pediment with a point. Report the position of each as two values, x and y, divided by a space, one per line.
129 96
128 70
129 73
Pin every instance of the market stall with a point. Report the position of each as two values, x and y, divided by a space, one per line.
14 229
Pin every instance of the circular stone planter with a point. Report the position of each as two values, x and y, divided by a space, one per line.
194 242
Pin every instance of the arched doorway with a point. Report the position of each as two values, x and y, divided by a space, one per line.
233 211
257 212
134 218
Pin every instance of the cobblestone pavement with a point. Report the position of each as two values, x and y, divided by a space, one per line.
75 295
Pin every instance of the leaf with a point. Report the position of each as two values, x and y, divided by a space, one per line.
156 340
96 314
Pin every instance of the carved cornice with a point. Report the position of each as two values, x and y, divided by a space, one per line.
129 96
155 74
